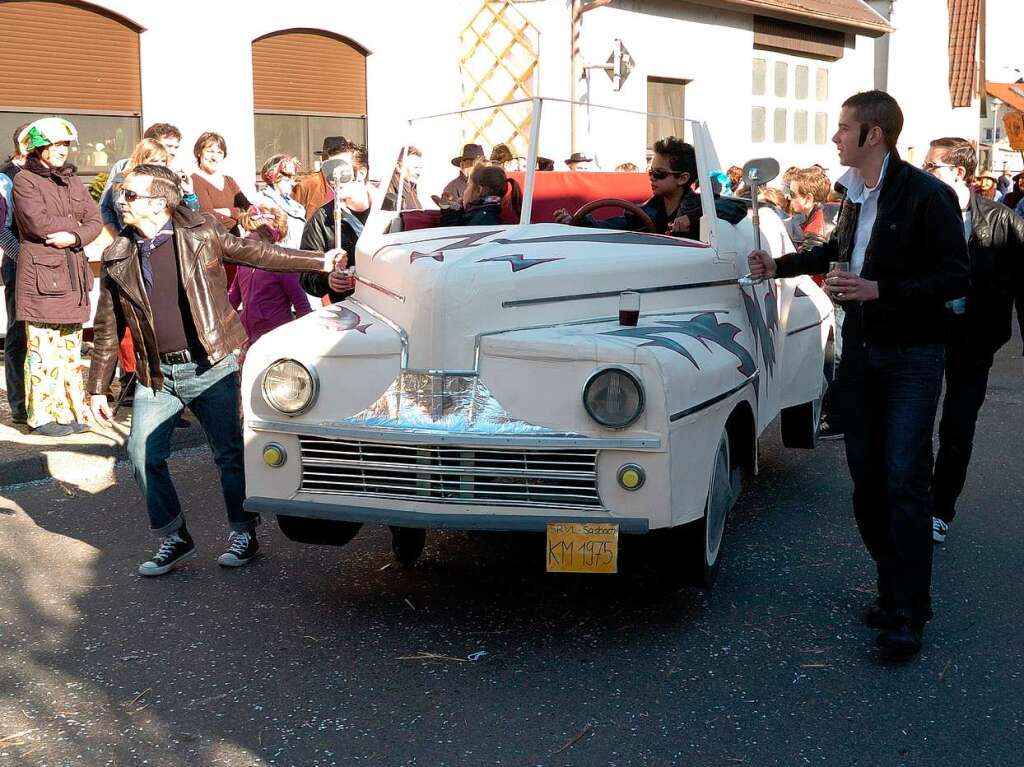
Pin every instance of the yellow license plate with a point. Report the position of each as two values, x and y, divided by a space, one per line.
583 547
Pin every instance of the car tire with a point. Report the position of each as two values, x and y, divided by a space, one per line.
702 541
407 544
319 532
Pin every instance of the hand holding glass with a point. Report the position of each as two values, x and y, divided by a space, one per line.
834 267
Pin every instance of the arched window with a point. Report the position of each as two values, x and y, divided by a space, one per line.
91 77
307 84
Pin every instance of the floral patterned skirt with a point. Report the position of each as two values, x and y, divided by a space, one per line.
54 389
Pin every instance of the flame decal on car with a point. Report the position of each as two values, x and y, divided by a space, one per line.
704 328
337 317
518 262
763 324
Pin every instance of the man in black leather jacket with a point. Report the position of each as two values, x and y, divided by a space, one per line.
900 229
981 321
319 233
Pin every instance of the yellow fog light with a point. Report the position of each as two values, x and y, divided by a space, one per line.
274 455
631 476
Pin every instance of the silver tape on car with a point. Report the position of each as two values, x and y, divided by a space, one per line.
435 401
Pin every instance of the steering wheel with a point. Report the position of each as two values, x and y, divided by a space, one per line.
612 202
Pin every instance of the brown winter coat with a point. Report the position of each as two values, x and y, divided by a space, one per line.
202 247
53 283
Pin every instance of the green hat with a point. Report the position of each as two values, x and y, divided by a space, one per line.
46 131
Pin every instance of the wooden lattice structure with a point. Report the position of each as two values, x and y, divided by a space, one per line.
500 56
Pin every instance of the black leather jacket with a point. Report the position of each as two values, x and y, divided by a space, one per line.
729 209
997 272
318 234
917 254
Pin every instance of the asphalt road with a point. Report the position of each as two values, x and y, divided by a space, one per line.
302 658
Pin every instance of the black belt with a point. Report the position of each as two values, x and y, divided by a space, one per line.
177 358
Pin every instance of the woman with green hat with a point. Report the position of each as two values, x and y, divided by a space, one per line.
56 218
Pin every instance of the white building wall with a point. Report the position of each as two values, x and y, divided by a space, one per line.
412 68
197 65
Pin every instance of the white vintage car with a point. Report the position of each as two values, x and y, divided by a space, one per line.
479 378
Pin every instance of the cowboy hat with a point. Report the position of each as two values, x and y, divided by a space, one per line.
469 152
576 157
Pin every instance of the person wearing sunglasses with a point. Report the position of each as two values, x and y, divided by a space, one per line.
980 322
674 206
163 278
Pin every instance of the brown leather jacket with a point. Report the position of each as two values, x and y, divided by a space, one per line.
202 246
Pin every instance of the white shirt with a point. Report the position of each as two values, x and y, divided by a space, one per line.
857 191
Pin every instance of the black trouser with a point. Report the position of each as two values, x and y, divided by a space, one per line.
14 344
889 398
967 367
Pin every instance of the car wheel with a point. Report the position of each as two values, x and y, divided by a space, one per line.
407 544
319 532
702 540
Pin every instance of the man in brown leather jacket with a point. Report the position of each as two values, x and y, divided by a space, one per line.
165 281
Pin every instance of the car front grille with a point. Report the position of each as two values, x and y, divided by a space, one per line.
450 474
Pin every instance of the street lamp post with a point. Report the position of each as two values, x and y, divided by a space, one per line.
996 103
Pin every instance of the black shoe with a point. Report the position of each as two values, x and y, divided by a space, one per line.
879 618
79 428
174 549
242 549
19 418
902 642
53 429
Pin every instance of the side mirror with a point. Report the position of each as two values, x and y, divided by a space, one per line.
760 171
337 171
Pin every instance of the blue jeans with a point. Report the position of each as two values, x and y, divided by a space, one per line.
889 398
211 392
14 344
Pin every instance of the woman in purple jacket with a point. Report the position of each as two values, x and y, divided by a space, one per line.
268 299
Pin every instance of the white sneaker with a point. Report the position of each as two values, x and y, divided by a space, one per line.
939 530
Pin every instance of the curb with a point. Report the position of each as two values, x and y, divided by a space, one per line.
36 465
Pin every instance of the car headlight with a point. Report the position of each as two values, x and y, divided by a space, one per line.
289 387
613 397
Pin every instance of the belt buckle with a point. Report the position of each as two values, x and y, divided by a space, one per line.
176 358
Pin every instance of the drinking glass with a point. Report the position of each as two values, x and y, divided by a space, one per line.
629 308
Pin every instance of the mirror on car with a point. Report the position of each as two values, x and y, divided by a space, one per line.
338 170
760 171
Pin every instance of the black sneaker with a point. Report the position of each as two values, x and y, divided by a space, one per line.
174 549
242 549
19 418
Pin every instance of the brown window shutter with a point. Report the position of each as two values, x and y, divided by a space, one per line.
801 39
963 35
308 71
60 56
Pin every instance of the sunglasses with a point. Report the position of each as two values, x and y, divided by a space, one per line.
660 173
129 196
929 166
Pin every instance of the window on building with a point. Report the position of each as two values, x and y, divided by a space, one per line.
295 105
759 77
665 97
820 127
102 139
758 116
800 126
781 79
821 85
780 126
100 94
802 76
